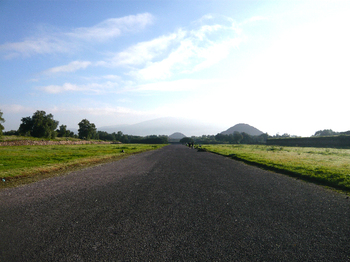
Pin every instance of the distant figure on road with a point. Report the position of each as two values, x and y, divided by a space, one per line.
190 144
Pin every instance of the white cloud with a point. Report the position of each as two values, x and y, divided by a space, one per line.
109 111
95 78
185 51
175 86
202 33
215 53
61 42
95 88
144 52
15 108
111 77
55 89
113 27
36 45
71 67
99 114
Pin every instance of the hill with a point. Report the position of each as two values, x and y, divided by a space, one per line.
177 135
243 128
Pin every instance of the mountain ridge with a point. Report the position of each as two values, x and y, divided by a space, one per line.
164 126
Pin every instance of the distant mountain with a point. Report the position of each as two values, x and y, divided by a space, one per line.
177 135
243 128
164 126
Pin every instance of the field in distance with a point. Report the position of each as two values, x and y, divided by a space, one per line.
326 166
25 164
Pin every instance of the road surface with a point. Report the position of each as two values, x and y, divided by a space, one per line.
174 204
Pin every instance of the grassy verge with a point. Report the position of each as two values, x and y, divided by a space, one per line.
325 166
25 164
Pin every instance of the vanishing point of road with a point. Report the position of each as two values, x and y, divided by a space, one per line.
174 204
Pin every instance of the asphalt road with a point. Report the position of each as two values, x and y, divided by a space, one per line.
174 204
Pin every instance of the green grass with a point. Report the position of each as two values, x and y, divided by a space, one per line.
326 166
23 164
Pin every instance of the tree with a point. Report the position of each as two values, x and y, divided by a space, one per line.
286 135
237 137
11 133
326 132
63 132
44 125
103 135
121 137
2 120
87 130
247 139
26 127
220 137
186 140
39 125
262 138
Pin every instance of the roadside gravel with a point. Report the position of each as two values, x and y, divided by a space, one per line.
173 204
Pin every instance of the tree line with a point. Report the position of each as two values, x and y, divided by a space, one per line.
124 138
235 138
42 125
244 138
330 132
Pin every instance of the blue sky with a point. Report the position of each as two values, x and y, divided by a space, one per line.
281 66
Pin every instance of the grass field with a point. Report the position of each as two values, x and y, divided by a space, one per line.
23 164
326 166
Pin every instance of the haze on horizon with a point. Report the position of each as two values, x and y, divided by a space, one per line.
280 66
